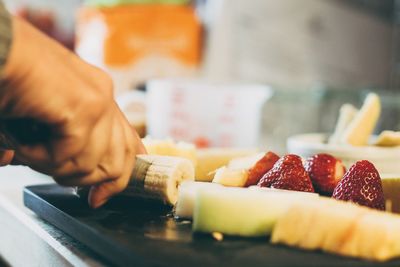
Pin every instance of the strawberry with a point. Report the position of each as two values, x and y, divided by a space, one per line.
288 173
361 184
261 167
325 172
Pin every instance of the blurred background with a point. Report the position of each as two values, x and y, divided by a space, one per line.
188 69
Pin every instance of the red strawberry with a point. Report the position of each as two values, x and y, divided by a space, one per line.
361 184
261 167
325 172
288 173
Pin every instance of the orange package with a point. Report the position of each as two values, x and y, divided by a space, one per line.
135 43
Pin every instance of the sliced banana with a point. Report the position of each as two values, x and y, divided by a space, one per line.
388 138
168 147
158 177
231 177
210 159
346 114
361 127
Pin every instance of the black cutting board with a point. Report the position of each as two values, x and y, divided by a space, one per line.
127 232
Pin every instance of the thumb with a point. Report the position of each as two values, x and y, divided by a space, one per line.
100 194
6 156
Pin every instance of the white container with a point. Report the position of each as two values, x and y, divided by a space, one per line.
206 113
386 160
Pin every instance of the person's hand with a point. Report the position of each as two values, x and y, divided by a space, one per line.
58 116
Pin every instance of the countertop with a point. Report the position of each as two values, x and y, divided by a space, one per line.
27 240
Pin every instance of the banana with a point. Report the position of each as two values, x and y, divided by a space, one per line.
246 162
210 159
346 114
388 138
231 177
158 177
168 147
359 130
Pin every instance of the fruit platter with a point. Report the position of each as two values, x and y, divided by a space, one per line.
235 207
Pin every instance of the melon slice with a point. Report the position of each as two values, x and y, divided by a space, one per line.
340 227
187 195
241 211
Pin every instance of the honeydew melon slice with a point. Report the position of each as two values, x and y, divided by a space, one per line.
241 211
187 195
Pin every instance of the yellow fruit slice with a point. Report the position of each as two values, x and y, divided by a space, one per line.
388 138
346 114
391 191
210 159
168 147
231 177
341 228
361 127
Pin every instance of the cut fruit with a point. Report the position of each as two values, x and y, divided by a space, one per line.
325 172
231 177
340 227
157 177
245 163
168 147
209 160
391 191
275 190
388 138
288 173
361 127
361 184
241 211
261 167
187 196
346 114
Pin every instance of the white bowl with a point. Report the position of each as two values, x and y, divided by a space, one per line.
385 159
